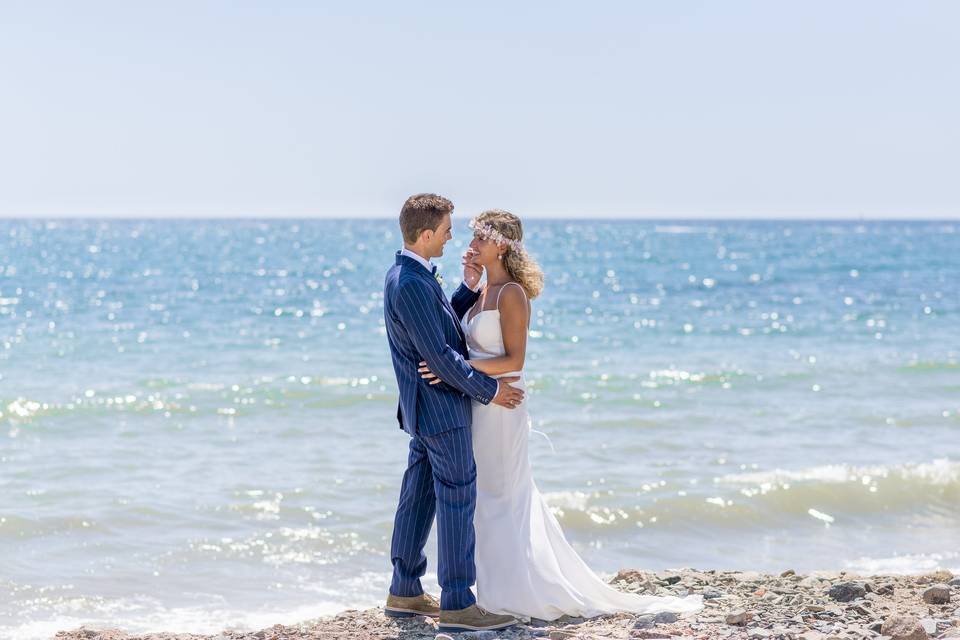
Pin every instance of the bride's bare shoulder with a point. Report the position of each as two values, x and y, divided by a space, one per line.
512 298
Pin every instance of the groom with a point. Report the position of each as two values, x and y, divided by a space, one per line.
441 474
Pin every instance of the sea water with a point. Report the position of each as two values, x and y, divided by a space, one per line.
197 417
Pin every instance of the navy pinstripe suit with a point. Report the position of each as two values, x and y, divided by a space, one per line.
441 473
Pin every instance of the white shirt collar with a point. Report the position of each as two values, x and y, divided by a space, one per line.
410 254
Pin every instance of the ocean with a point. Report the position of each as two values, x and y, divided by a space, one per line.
198 432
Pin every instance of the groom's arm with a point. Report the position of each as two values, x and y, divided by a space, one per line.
463 298
417 308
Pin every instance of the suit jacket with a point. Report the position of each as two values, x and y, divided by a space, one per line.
423 325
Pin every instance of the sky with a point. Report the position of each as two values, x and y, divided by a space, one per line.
673 109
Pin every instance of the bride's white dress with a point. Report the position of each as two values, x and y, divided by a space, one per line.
525 566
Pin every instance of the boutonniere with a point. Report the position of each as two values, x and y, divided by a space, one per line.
438 278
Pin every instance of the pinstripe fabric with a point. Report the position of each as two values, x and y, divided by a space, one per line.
441 477
441 473
423 325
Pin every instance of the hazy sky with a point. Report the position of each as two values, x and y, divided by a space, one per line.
654 109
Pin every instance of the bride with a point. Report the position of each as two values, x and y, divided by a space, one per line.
525 566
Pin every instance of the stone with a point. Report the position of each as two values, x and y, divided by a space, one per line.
737 617
847 591
630 575
937 594
643 633
788 573
903 628
942 575
712 594
811 635
885 590
644 622
560 634
665 617
954 583
953 632
929 625
747 576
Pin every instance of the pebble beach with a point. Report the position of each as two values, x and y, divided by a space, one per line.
743 605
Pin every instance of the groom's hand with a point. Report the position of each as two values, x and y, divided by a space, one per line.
507 396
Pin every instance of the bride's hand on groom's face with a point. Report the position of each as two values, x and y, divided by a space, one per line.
471 271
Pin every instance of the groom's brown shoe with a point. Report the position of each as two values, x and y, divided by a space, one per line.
406 607
473 618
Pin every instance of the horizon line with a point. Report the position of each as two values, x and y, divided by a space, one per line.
346 218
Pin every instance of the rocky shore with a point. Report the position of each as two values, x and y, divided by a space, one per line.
738 605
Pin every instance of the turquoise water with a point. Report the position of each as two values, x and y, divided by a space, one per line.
197 417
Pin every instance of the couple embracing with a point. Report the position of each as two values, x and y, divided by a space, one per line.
459 367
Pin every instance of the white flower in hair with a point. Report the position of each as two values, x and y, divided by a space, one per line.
487 232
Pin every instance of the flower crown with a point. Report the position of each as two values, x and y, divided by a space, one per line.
487 232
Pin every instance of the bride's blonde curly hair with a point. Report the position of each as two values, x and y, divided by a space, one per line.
518 263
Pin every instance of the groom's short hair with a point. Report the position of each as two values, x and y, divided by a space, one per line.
421 212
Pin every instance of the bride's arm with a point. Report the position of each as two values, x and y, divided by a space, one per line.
514 320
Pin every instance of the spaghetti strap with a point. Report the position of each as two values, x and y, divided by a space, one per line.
504 287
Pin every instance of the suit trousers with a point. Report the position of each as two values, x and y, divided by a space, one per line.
441 480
